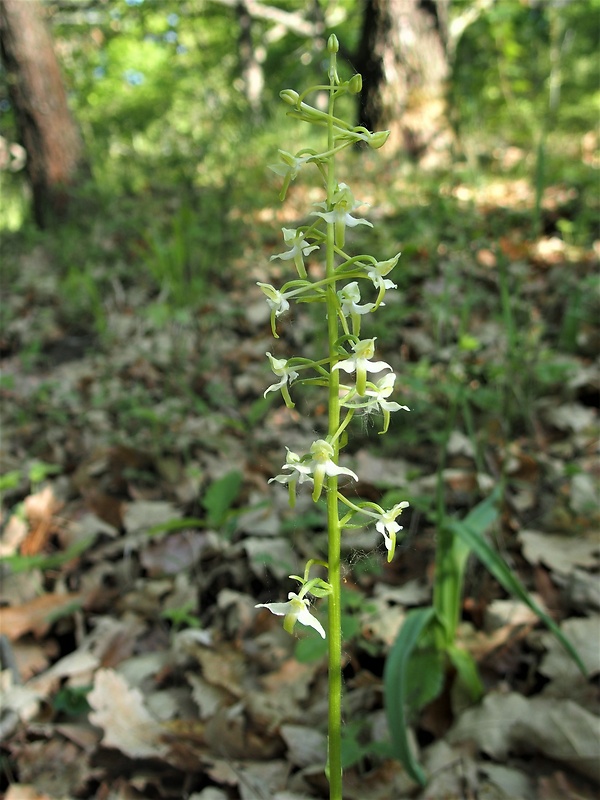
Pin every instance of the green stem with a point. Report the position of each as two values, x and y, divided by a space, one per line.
447 584
333 522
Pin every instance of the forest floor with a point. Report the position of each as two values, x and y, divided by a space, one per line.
139 529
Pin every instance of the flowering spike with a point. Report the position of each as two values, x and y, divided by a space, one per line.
338 288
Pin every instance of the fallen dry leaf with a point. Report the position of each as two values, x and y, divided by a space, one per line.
40 509
37 615
120 711
510 723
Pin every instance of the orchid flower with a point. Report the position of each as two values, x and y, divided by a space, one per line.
286 375
295 610
299 248
278 301
349 298
343 204
360 363
322 464
299 473
375 398
383 389
289 169
385 522
377 272
388 527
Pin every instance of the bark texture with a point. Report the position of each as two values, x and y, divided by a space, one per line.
55 159
402 58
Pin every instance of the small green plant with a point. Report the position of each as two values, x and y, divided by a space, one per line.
182 616
346 354
426 647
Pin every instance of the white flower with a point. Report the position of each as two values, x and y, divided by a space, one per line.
388 527
285 374
383 389
298 473
289 169
276 300
343 204
349 298
293 462
360 363
386 524
295 610
299 248
377 272
322 464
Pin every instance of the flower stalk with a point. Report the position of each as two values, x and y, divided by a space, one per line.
345 353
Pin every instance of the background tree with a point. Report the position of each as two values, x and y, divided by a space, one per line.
55 159
406 55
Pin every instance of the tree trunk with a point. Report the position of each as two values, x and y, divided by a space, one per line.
252 73
402 58
54 147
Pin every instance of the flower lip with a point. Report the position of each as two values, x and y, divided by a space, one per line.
295 610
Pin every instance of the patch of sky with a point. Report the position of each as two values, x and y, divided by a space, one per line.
134 77
173 19
170 36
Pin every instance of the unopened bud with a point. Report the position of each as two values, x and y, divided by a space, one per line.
332 44
289 96
355 84
378 139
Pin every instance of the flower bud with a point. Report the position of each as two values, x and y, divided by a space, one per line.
289 96
355 84
332 44
378 139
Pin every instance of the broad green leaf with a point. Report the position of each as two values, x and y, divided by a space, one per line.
220 496
425 673
468 674
450 561
503 574
311 648
395 688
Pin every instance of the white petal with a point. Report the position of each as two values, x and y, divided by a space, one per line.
352 222
333 469
376 366
284 256
280 609
274 387
306 618
391 406
347 366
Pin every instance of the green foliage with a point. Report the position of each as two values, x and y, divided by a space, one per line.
416 666
396 688
471 533
220 497
19 563
182 616
72 700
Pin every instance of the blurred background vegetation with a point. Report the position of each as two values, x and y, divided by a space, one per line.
492 171
163 98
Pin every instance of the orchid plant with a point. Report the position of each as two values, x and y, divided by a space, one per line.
368 383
